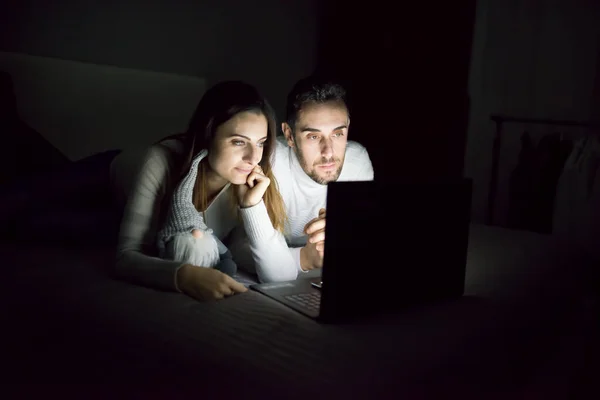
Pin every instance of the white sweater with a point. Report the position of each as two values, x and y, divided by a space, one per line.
302 196
254 243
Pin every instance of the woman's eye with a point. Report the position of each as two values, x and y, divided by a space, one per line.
238 142
261 144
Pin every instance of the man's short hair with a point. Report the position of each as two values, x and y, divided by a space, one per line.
312 89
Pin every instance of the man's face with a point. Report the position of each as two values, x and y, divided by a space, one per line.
319 139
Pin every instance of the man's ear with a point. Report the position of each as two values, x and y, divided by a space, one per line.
287 131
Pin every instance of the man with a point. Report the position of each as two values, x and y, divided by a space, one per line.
313 151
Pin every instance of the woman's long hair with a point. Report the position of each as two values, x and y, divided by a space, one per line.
218 105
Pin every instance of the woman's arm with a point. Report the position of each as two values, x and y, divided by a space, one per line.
257 246
137 236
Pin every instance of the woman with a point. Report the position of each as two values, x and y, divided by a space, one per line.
230 138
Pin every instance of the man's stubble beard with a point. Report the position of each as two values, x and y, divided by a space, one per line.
312 173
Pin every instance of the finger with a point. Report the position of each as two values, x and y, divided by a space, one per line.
236 287
262 184
259 175
315 225
259 189
251 178
309 223
256 173
218 295
320 248
256 177
225 290
322 212
317 236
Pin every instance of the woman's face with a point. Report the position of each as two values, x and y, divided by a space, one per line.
238 146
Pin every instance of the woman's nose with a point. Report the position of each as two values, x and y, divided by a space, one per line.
253 155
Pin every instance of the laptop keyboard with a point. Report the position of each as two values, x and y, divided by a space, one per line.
310 300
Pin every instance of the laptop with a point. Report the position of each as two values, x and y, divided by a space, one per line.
389 246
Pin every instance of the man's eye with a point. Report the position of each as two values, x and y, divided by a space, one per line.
238 142
312 137
338 134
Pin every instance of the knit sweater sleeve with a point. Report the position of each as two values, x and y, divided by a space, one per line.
137 260
258 247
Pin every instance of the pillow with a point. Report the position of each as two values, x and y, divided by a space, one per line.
84 183
69 226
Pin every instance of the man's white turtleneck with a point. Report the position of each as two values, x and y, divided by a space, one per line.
303 197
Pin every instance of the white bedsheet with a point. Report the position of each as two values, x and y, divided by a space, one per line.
524 292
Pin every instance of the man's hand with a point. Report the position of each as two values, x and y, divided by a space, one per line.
207 283
251 193
311 255
315 230
310 258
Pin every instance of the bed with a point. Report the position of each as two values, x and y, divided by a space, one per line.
526 306
524 327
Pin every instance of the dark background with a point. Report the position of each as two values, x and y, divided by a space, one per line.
414 70
423 76
407 71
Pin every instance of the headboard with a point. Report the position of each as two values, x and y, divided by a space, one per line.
84 108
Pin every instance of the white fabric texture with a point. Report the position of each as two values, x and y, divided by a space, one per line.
577 203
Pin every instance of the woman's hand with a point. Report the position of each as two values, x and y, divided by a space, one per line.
252 192
207 283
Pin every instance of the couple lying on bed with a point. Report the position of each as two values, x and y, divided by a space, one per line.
228 193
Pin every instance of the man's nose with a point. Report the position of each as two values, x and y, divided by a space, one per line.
327 148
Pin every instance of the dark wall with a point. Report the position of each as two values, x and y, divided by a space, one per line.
267 42
536 59
405 66
407 71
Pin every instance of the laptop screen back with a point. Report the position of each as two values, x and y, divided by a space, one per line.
390 245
